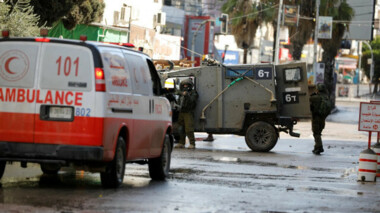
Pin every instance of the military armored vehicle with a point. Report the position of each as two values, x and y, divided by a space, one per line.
256 101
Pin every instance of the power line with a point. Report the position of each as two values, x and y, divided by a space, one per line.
249 14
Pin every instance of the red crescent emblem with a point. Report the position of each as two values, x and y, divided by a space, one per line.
6 66
14 65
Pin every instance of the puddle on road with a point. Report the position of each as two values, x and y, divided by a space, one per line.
226 159
269 164
186 171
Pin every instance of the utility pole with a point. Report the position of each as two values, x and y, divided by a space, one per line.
359 66
371 66
277 45
129 23
316 37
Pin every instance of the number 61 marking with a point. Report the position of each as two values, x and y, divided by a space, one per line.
290 97
263 73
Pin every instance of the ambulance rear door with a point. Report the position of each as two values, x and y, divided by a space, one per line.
292 90
65 99
18 62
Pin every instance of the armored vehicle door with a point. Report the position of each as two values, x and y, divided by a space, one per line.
292 90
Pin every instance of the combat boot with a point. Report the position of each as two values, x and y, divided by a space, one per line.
318 151
192 146
209 138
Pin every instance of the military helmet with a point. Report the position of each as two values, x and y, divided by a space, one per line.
321 88
187 82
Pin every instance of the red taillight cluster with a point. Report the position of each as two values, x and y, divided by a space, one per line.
100 83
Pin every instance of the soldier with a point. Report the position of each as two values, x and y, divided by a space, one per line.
320 108
187 102
210 138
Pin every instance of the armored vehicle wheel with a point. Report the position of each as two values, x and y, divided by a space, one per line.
114 175
261 137
2 168
159 167
50 168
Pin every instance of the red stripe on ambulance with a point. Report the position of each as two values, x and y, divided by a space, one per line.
13 131
22 95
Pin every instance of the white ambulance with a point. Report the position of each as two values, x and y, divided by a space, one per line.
84 104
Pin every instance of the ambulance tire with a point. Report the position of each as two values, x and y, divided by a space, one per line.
159 167
114 175
50 168
261 137
2 168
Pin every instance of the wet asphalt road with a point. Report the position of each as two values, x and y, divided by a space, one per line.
219 176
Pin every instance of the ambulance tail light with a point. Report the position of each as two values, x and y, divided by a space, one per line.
100 82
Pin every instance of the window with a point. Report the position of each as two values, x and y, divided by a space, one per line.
140 74
116 70
122 14
292 75
66 69
18 63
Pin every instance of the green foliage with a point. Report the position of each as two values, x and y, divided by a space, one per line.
19 19
71 12
85 13
366 54
245 17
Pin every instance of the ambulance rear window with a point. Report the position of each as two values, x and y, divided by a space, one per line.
18 64
66 67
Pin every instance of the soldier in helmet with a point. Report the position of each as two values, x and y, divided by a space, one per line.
318 117
187 103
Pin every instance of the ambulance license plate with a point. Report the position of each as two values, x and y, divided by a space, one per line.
65 113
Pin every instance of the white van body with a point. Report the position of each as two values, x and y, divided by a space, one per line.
68 102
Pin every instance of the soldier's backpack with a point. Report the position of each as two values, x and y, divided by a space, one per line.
326 106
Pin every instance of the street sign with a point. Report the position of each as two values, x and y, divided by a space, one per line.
369 117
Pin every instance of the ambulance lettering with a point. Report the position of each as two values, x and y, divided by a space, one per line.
119 81
84 112
36 96
158 108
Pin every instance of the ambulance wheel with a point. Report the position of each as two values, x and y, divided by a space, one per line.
50 168
159 167
114 175
261 137
2 168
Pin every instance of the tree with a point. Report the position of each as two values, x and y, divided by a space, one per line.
300 34
71 12
85 13
375 45
19 19
339 10
245 18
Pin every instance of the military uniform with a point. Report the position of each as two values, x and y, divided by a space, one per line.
317 120
187 103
